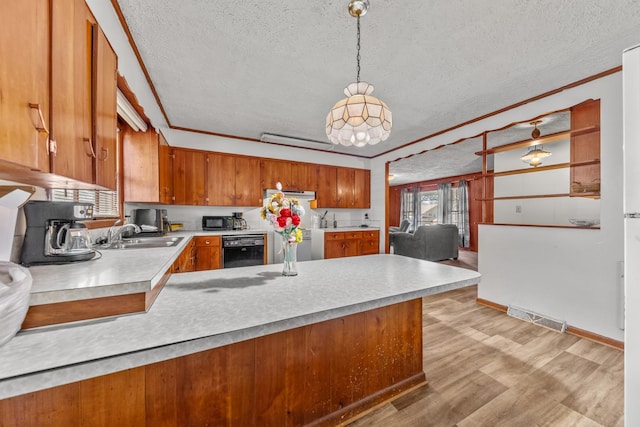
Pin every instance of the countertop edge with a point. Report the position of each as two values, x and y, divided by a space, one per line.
31 382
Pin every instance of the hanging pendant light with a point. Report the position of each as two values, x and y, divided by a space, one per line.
359 119
536 153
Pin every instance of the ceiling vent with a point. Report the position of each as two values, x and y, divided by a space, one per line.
292 141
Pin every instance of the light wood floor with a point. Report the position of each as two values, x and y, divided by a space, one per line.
488 369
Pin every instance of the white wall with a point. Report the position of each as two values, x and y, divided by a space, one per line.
568 274
545 211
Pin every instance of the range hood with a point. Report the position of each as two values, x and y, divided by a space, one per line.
297 194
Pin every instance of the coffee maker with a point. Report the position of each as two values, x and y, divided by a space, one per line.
239 223
54 235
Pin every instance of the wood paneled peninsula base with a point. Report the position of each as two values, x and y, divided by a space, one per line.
241 346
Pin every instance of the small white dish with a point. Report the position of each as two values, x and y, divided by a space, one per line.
584 222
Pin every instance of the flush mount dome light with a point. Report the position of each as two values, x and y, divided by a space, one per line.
359 119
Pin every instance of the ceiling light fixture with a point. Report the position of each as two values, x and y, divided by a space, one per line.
359 119
536 153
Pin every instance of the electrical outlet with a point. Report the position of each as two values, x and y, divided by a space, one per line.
518 209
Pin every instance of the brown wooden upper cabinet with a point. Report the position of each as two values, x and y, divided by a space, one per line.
327 195
58 108
147 167
274 171
233 180
24 83
71 79
585 147
340 187
189 177
105 121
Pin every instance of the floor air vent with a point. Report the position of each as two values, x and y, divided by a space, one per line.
538 319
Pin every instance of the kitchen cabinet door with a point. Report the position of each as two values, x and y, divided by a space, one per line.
189 177
105 119
300 178
221 171
207 253
247 181
370 243
585 147
186 261
71 87
165 172
24 81
333 249
140 165
274 171
362 189
326 194
344 187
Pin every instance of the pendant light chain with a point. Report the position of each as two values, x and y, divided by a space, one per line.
359 119
358 50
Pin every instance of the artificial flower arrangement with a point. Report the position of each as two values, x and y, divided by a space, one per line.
284 214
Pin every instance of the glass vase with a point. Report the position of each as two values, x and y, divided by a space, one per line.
289 267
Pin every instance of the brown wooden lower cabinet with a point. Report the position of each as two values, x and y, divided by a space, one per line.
207 253
339 244
320 374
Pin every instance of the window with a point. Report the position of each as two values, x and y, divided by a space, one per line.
428 207
429 202
105 203
407 205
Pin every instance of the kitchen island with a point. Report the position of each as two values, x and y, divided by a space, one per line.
319 347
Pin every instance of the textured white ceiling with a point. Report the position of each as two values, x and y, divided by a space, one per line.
244 68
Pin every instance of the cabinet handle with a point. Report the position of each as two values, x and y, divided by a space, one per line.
105 154
53 147
90 153
41 126
207 242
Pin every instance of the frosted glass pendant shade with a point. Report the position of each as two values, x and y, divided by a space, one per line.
359 119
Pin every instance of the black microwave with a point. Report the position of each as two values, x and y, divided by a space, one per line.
213 223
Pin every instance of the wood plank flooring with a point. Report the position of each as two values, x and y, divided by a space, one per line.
488 369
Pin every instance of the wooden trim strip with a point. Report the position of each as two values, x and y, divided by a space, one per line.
546 196
545 168
73 311
491 304
541 141
509 107
595 337
570 329
125 27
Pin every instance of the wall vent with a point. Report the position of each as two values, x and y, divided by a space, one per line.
538 319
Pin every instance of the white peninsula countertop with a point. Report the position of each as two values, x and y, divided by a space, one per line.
112 271
202 310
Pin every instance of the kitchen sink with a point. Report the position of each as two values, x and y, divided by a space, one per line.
147 242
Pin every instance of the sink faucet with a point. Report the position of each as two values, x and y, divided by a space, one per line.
115 235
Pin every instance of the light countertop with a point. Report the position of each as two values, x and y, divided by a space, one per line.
201 310
111 272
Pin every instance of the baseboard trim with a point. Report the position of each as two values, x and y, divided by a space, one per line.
601 339
491 304
595 337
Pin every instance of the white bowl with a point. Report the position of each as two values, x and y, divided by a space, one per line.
584 222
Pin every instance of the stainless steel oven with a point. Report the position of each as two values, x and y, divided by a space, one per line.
242 250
